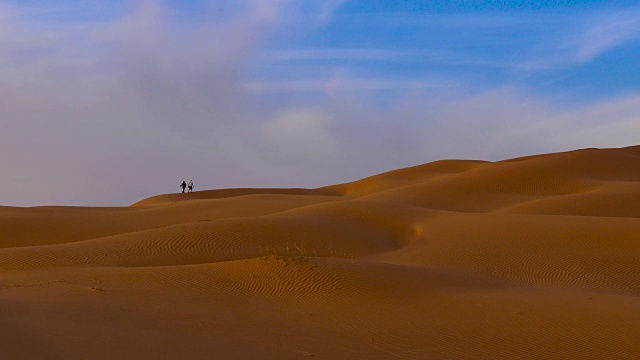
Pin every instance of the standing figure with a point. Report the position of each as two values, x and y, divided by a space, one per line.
190 185
183 186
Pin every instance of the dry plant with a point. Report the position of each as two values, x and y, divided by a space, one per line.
288 252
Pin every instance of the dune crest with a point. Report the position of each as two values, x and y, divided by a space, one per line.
535 257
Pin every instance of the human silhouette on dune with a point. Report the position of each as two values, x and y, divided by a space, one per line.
190 185
183 186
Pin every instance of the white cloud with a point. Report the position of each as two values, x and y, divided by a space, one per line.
507 123
108 111
608 124
300 133
90 111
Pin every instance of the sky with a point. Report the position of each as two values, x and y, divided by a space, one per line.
104 103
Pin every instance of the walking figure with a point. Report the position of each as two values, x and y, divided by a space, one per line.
183 186
190 185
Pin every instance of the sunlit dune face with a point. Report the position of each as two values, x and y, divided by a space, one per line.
534 257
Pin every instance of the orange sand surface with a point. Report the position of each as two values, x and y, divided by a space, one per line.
529 258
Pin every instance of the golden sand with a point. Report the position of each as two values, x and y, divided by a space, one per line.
529 258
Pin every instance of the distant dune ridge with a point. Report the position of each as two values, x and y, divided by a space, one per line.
536 257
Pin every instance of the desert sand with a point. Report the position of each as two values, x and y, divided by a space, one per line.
529 258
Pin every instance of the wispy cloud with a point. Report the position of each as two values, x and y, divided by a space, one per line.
605 32
328 8
455 21
347 84
584 37
511 42
382 55
368 54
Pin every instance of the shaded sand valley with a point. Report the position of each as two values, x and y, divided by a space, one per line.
529 258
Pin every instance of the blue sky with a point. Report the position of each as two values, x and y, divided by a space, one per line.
104 103
580 50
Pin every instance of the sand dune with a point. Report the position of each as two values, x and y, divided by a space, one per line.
529 258
227 193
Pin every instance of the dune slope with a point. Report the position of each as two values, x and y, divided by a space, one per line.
529 258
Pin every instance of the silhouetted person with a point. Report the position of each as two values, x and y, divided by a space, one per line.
183 186
190 185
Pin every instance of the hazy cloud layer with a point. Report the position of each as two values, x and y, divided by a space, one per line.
106 110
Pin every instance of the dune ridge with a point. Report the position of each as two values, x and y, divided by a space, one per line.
536 257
